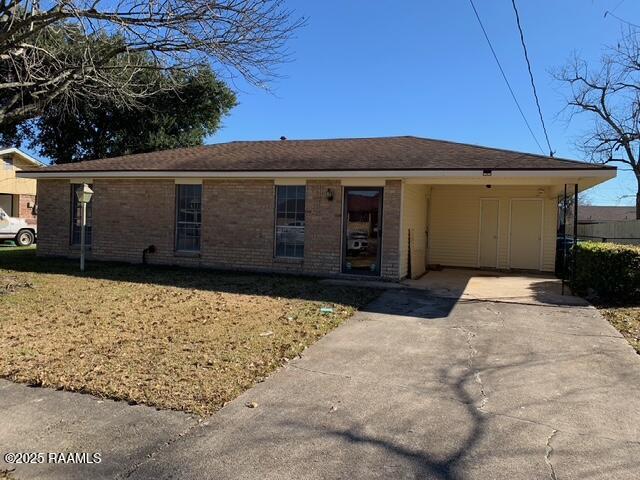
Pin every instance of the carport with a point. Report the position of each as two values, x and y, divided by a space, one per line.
500 221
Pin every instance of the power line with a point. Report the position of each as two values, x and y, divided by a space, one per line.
616 7
611 14
506 80
533 84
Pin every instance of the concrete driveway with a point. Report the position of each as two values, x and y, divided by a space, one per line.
419 386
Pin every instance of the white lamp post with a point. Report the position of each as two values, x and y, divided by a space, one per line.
84 196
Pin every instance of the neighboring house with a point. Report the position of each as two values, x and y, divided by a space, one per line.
17 195
300 205
599 214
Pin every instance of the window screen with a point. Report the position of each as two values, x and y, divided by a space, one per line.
188 217
290 221
76 216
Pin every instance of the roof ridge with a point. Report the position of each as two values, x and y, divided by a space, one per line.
331 139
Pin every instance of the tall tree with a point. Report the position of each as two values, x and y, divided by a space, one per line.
610 94
55 50
172 117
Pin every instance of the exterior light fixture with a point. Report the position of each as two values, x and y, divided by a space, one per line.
329 194
84 196
486 172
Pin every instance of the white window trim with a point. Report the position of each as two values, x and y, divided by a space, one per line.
275 221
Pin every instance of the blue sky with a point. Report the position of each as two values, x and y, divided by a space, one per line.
376 68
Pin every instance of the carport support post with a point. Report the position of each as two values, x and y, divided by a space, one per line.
575 234
564 237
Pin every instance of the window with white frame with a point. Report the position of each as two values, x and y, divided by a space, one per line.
290 221
188 217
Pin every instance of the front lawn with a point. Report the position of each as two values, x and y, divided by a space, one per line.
173 338
627 321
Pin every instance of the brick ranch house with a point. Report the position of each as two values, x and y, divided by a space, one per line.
386 207
17 195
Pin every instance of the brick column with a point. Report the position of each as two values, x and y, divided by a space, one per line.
391 215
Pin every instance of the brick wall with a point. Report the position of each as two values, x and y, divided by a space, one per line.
391 208
129 216
237 224
24 210
323 228
54 210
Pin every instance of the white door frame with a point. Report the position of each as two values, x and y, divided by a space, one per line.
541 200
492 199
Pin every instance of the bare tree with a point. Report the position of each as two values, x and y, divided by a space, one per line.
610 93
60 50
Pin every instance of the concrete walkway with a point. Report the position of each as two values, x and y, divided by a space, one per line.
495 287
417 386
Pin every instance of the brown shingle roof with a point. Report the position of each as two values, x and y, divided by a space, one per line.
386 153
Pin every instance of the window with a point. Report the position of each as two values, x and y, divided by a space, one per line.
76 217
290 221
188 217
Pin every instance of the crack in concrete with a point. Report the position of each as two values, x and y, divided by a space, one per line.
547 455
159 449
476 374
318 371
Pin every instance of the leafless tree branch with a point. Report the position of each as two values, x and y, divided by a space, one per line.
610 94
53 50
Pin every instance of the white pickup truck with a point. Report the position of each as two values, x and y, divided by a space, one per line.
16 229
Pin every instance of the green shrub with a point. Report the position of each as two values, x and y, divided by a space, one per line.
608 270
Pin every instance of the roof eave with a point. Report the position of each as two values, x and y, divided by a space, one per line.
24 156
601 172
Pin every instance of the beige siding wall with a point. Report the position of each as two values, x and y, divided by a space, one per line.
414 226
9 165
454 224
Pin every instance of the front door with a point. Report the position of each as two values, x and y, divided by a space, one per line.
526 234
488 248
362 230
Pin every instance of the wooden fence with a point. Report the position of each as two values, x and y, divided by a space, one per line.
624 231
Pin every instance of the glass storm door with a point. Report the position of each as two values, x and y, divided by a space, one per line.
362 230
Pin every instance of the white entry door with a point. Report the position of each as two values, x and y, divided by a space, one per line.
488 244
526 234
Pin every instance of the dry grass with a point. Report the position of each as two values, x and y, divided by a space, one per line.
173 338
627 321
